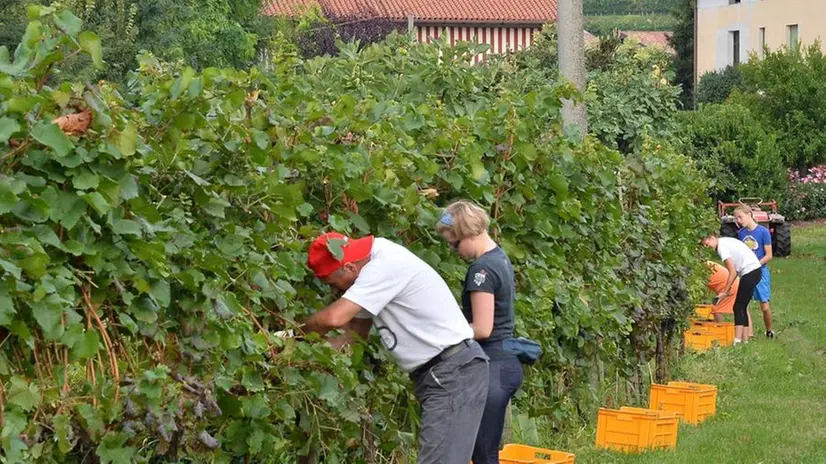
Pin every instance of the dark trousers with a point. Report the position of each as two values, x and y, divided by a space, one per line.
744 293
452 397
505 379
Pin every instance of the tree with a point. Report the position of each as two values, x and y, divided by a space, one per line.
630 95
317 31
218 33
630 98
12 22
212 33
572 60
682 40
785 91
739 155
115 22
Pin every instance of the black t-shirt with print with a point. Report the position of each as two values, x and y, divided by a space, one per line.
492 273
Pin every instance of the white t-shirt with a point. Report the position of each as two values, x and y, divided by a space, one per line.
742 257
412 308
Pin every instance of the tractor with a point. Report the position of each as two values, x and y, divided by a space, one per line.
765 213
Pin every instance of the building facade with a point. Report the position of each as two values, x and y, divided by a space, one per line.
499 38
503 25
727 31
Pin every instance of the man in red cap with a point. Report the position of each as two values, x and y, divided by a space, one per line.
420 323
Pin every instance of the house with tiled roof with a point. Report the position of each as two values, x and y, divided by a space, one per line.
657 39
504 25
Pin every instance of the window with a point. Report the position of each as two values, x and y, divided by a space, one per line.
793 35
734 46
761 42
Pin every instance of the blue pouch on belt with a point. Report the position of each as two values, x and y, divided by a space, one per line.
528 351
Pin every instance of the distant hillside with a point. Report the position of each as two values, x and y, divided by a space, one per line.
628 7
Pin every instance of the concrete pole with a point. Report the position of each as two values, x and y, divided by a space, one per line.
571 33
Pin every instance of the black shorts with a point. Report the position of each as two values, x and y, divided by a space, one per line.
744 293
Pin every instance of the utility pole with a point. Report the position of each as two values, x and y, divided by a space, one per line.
571 42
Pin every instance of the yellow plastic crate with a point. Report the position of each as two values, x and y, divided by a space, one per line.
700 341
702 336
523 454
693 401
703 312
721 330
636 429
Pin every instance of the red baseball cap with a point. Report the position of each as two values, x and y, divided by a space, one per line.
321 260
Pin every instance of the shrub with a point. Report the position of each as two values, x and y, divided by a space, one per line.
736 152
807 195
716 86
154 240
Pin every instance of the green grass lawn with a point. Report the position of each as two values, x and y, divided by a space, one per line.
771 405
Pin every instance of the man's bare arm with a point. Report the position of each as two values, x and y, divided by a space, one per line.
334 316
356 328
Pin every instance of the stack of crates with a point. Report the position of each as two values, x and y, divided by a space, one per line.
702 336
636 429
522 454
694 402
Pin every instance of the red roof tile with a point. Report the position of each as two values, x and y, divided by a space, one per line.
442 11
651 38
287 7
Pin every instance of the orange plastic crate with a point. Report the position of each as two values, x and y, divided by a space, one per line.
704 335
636 429
703 312
700 341
523 454
723 330
693 401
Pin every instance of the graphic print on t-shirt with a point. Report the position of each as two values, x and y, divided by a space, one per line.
750 242
388 338
480 277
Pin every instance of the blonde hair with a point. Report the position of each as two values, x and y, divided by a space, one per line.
463 219
745 209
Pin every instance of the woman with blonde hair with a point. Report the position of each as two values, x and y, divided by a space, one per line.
488 306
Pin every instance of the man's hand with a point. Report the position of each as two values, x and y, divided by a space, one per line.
335 316
357 328
290 333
